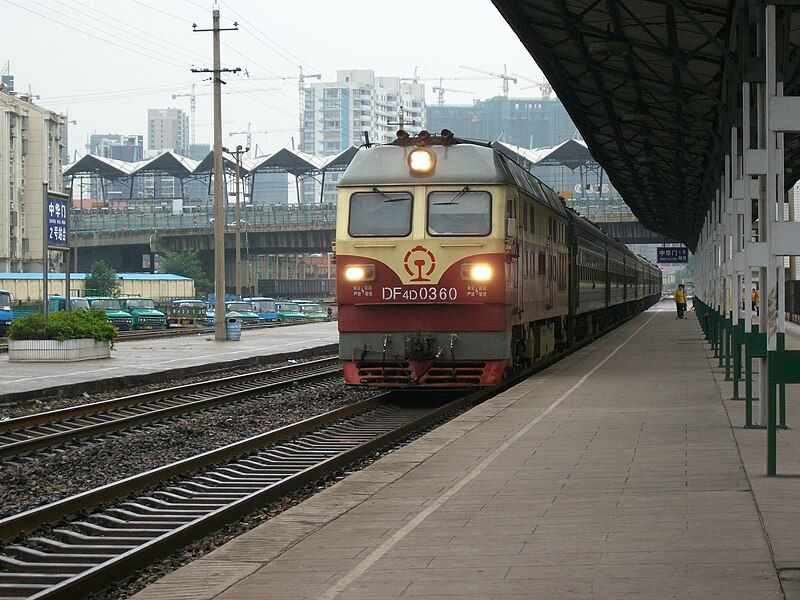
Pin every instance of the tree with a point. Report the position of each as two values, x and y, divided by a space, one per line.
187 264
102 281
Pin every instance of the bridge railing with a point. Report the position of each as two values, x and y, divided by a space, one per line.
155 220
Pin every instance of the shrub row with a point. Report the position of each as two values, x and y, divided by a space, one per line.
73 325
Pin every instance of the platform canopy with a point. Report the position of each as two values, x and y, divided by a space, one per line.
650 84
169 163
105 167
571 154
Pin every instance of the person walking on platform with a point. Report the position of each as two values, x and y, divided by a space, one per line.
754 300
680 300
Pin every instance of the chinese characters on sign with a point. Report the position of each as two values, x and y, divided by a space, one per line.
678 255
57 222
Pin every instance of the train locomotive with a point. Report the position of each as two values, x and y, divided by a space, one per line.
455 265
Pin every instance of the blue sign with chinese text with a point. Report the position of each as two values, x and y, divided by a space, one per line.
677 255
57 211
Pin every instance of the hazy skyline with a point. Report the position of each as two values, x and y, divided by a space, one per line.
106 63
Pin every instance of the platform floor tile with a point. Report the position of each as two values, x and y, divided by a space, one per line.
613 474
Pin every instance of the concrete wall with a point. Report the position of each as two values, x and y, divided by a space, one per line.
30 290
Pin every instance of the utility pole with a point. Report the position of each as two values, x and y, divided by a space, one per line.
237 155
219 192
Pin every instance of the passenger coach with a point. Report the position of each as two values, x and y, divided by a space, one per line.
455 264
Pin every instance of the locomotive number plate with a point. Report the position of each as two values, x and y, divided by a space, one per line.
419 294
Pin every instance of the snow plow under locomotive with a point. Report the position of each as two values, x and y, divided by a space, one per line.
455 264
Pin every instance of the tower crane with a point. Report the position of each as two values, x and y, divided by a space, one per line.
249 133
192 110
544 87
301 89
504 76
192 95
440 89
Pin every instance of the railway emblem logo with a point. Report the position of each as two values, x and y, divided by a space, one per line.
419 262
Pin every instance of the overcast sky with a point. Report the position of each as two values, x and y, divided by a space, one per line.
107 62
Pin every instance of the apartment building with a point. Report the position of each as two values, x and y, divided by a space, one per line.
30 153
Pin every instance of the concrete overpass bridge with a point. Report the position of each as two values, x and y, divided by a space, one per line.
129 241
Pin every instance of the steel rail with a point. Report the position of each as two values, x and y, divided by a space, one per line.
90 553
106 546
41 430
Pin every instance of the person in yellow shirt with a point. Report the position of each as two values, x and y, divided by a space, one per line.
680 300
754 300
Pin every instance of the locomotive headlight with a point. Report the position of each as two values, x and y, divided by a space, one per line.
476 272
359 273
421 161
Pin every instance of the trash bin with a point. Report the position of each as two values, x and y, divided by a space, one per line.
233 329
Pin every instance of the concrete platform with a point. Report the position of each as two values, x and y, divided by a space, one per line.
616 473
164 355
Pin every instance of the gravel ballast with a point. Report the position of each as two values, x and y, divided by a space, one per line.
27 407
55 475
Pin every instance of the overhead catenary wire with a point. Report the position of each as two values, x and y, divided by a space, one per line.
92 35
188 53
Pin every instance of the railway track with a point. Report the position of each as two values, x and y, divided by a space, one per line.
34 432
92 551
107 535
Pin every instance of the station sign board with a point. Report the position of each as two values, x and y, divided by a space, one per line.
672 255
57 217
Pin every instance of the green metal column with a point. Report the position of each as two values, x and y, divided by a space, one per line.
781 346
737 334
772 431
728 345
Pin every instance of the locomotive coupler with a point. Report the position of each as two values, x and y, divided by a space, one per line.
420 346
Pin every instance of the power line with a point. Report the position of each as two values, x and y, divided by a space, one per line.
113 43
181 49
89 95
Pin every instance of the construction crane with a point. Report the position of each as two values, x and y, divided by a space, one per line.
249 133
544 87
440 89
504 76
192 95
192 110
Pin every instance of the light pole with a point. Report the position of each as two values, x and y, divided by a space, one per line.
237 156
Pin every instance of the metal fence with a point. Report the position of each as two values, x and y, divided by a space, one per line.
277 216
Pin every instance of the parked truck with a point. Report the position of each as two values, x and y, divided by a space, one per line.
113 309
6 315
144 314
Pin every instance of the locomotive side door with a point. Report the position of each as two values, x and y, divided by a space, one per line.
514 256
550 253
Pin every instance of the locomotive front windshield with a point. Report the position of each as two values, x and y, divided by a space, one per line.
461 212
5 301
380 214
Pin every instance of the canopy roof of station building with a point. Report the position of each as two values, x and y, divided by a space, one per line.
571 154
175 165
652 86
106 167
